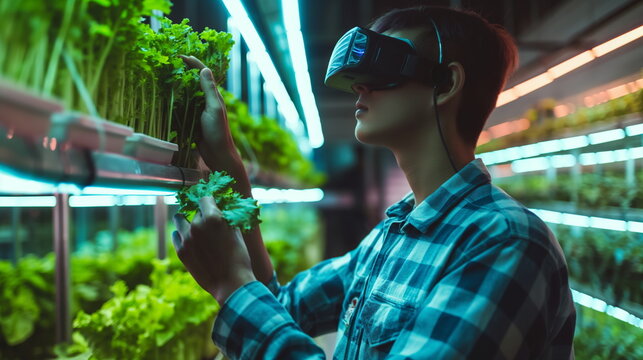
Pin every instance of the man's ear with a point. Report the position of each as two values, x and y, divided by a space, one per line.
453 84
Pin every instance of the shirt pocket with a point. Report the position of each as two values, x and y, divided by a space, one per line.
384 318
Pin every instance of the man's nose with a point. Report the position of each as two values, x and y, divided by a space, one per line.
361 89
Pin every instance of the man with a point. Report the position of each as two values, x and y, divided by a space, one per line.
458 269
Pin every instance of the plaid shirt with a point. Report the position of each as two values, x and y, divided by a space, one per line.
469 273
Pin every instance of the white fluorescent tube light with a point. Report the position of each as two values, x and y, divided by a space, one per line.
292 23
574 142
27 201
601 306
533 164
608 224
92 201
111 200
100 190
567 66
266 66
634 130
575 220
561 161
606 136
12 184
595 222
635 226
271 196
551 146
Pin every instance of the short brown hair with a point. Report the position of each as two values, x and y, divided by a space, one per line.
486 51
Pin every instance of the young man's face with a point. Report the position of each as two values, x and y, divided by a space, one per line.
389 116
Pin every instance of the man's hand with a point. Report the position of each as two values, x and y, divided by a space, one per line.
213 252
216 145
220 154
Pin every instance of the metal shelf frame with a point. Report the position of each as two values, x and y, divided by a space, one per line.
42 160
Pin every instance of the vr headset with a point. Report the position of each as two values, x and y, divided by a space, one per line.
363 56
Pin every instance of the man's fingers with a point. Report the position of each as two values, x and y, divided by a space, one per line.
209 88
206 77
209 207
182 225
177 240
192 62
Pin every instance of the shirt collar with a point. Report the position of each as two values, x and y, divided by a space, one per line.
437 204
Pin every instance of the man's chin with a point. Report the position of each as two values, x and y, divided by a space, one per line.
369 136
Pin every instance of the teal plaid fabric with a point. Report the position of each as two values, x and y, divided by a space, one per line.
469 273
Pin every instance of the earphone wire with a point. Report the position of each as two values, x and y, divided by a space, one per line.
435 97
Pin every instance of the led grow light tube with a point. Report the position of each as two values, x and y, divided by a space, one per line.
266 66
567 66
552 146
596 222
585 159
272 196
611 310
27 201
276 196
290 10
110 200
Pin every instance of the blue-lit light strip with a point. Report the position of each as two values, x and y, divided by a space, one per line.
27 201
111 200
277 196
272 196
601 306
267 68
12 184
290 10
263 196
552 146
555 217
94 196
568 160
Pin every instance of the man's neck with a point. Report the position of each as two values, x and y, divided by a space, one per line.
426 165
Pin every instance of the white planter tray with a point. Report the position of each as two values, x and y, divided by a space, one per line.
85 132
25 114
151 149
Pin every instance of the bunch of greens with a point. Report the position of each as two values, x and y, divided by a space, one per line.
261 140
26 314
170 319
601 337
239 212
98 35
604 261
27 290
590 191
174 91
131 74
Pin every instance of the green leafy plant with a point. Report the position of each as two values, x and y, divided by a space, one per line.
27 289
27 298
239 212
591 191
170 319
604 261
601 337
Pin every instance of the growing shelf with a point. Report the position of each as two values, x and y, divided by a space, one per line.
623 132
45 161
